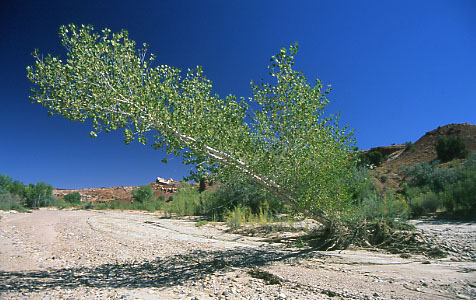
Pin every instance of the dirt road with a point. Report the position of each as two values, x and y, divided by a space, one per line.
61 254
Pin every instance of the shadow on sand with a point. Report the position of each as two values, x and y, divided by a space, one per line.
161 272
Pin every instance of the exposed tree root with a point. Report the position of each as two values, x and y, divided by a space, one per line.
374 235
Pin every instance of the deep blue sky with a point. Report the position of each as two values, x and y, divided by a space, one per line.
398 69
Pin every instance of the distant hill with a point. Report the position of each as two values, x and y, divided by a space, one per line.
398 156
121 194
423 150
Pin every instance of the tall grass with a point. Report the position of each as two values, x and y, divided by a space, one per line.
227 203
187 202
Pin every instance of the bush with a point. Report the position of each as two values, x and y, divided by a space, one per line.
372 205
424 203
240 192
361 185
73 198
88 205
431 187
235 202
143 194
450 148
383 207
425 175
461 195
10 201
186 202
61 203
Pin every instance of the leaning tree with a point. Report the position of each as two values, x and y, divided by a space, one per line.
279 137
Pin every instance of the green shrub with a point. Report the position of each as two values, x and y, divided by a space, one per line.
449 148
88 205
235 202
61 203
143 194
426 175
431 187
186 202
10 201
32 195
361 185
431 202
370 204
382 208
242 192
461 195
73 198
151 205
371 158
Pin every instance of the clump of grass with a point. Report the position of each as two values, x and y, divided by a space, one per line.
243 214
201 223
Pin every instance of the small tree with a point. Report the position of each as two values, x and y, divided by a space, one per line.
280 138
449 148
39 195
143 194
73 198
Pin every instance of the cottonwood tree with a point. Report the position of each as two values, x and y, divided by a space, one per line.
279 137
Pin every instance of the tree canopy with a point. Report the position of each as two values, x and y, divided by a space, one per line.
279 137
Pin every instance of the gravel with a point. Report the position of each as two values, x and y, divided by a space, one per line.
72 254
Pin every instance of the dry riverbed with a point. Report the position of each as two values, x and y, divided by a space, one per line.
73 254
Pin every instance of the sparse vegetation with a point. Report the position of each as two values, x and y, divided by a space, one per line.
449 148
372 205
431 187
